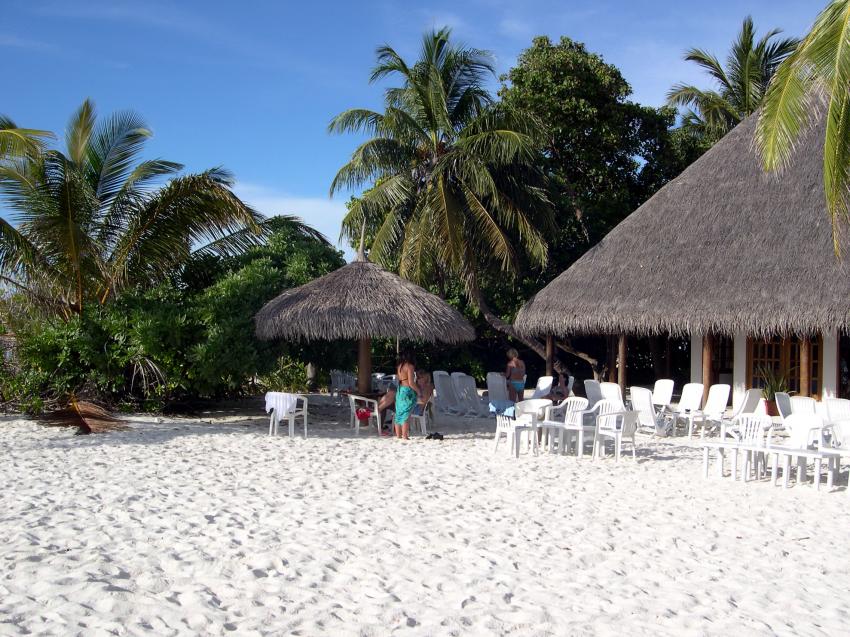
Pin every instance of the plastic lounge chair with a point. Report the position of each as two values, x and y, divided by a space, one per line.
611 391
650 423
543 387
593 392
662 394
469 403
687 407
446 400
783 404
803 405
713 410
497 388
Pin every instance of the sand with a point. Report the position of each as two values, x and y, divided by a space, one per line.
183 527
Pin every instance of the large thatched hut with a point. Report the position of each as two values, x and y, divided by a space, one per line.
361 301
739 260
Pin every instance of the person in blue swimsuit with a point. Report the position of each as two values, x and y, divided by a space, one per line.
515 375
407 394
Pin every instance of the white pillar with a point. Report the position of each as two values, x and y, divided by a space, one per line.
829 360
739 369
696 358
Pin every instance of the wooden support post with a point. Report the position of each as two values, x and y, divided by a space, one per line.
805 366
621 363
707 355
612 359
668 363
364 366
550 355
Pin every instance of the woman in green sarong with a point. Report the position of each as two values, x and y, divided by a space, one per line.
406 395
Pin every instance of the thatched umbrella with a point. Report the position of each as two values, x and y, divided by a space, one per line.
361 301
723 248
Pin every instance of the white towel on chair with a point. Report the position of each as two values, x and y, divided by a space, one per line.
281 402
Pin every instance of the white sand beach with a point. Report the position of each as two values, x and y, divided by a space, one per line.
186 527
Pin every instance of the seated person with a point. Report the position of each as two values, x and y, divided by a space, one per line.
387 401
424 391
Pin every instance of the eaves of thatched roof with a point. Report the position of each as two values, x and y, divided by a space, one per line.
723 248
361 300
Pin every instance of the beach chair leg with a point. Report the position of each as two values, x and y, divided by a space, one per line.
830 473
497 438
801 470
786 469
721 460
517 441
618 443
271 424
305 424
734 464
580 445
817 473
774 470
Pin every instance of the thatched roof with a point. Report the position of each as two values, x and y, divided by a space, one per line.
722 248
361 300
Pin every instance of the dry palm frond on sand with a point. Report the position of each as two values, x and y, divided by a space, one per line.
87 417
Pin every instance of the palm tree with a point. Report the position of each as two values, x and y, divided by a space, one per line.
15 141
741 85
453 185
814 79
83 224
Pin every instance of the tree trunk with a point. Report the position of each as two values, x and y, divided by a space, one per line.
597 369
499 325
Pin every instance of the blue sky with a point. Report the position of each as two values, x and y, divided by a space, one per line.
252 85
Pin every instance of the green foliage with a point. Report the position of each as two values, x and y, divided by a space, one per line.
820 66
452 181
174 342
596 142
773 382
741 86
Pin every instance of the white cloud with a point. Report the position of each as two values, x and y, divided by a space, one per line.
13 41
320 212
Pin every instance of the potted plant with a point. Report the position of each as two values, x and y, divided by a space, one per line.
773 382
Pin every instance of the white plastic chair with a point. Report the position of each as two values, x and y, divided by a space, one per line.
543 387
593 392
497 388
299 411
420 421
615 424
662 393
506 426
749 431
530 413
360 402
715 406
688 406
563 419
783 404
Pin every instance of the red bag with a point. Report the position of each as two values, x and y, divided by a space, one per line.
363 414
